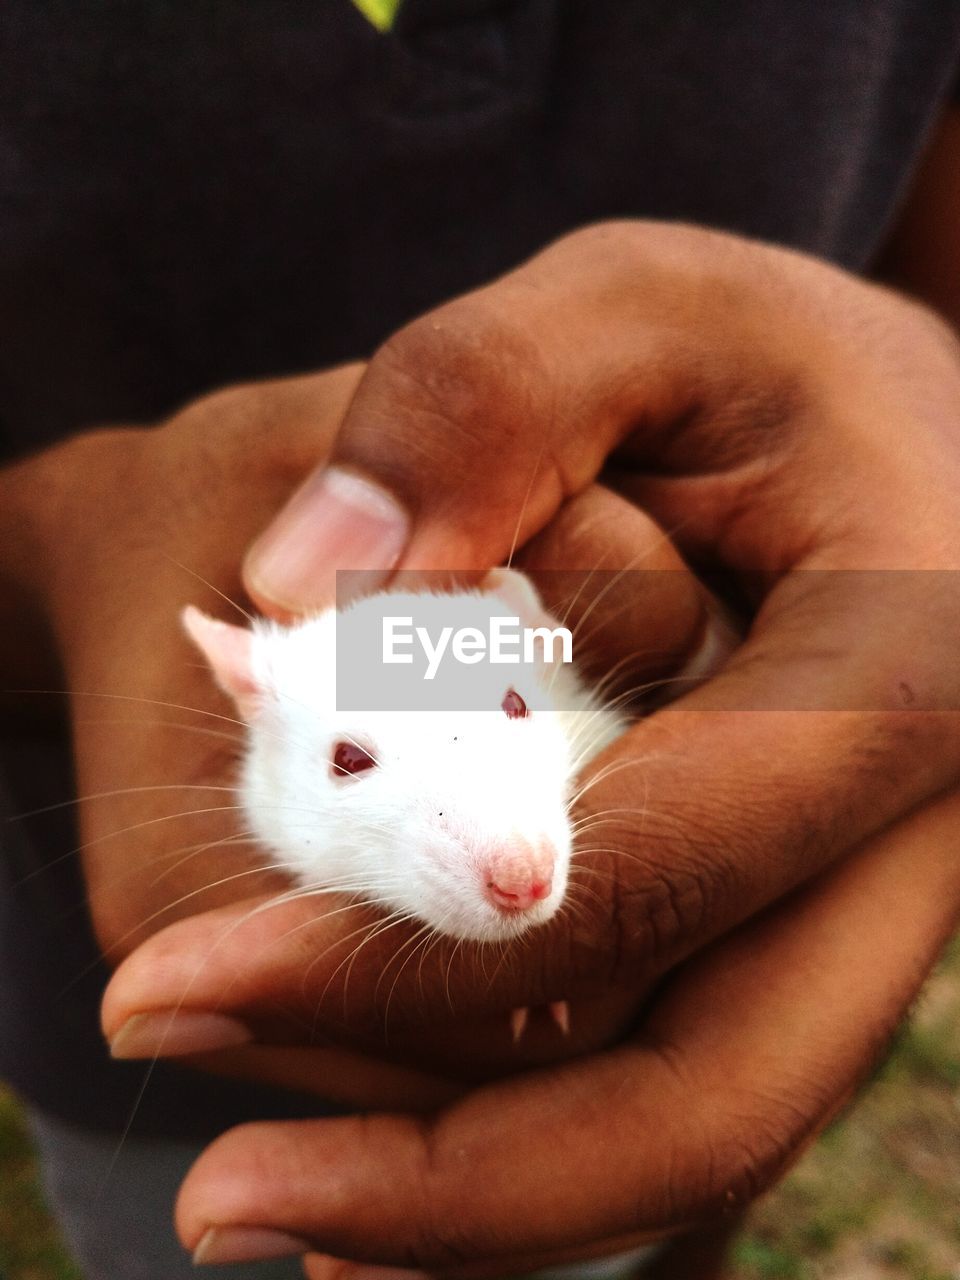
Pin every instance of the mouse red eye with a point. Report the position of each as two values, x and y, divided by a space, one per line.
513 705
348 758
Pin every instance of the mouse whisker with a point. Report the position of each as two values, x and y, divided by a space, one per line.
619 854
374 929
236 738
143 701
193 893
119 791
411 946
200 578
578 889
232 840
603 816
118 942
585 719
506 950
616 577
596 817
526 499
602 775
631 694
370 927
455 951
50 863
373 933
435 943
107 885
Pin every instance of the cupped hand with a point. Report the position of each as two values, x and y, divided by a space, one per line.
313 980
794 428
746 1053
146 521
142 521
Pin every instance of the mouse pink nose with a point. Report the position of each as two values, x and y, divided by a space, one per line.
519 875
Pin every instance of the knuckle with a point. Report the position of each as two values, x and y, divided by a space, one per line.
737 1171
613 244
645 917
671 899
649 246
439 1237
730 1152
465 362
759 1136
445 395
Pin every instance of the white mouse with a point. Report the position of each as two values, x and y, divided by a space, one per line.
459 819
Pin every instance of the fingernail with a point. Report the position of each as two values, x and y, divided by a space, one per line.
247 1244
169 1034
336 520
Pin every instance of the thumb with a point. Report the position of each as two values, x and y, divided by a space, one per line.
440 462
472 425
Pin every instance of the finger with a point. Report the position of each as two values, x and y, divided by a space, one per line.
155 744
694 1253
669 895
744 1057
622 1260
282 973
477 421
793 752
338 1075
637 612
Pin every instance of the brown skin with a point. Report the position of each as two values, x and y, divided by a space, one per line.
135 516
743 374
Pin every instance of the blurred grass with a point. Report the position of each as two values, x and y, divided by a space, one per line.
30 1247
877 1198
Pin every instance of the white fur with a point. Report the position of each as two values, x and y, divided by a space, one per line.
412 833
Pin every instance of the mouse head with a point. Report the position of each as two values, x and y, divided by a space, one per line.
456 818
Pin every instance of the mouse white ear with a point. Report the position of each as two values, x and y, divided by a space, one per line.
516 590
229 651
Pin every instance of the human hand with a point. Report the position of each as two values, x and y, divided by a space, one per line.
752 370
321 945
136 523
745 1055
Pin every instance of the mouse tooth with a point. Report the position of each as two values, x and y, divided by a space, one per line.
518 1023
560 1013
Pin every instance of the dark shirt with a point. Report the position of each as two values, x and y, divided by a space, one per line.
196 193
